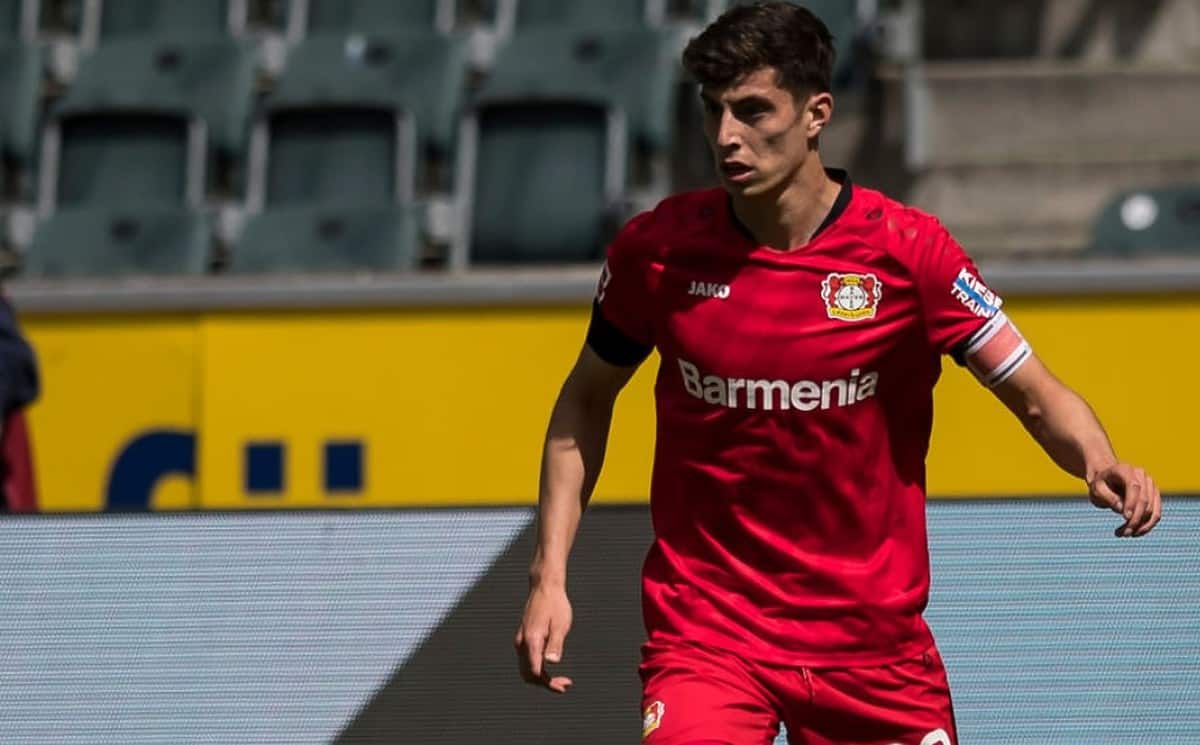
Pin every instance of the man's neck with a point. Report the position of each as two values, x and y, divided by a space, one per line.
788 217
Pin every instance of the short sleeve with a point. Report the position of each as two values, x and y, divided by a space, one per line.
622 326
955 300
963 316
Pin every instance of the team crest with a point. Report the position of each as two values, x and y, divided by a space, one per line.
851 297
652 718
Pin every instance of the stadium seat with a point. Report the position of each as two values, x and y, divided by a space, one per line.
20 87
345 105
1146 222
586 14
95 242
210 78
557 124
329 239
373 16
115 159
144 19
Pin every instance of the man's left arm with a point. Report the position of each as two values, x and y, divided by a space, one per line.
1068 430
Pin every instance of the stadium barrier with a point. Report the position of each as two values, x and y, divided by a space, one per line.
420 391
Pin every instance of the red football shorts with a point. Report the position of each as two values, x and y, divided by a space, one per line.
693 695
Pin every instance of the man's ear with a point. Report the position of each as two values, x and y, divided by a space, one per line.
819 108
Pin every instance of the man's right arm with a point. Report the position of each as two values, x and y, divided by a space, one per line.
571 459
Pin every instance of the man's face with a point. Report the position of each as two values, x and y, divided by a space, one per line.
758 132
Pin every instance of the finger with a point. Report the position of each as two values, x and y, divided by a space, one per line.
554 645
1104 496
534 648
1135 503
1155 509
559 683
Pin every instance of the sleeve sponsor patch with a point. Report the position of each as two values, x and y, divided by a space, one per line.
996 351
973 293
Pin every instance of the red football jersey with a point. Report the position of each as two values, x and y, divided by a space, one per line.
794 406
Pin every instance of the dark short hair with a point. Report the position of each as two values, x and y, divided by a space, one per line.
749 37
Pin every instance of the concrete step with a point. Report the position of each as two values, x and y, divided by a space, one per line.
1035 208
998 112
1091 30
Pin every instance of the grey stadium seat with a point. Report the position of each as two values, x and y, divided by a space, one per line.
1146 222
114 242
558 121
329 239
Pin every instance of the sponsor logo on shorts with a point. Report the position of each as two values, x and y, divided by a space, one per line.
652 718
805 395
851 297
973 293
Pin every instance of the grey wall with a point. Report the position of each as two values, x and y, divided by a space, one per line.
396 627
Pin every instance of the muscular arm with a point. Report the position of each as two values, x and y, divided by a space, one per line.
571 460
1068 430
1058 418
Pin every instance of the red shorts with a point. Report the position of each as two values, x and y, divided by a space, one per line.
693 695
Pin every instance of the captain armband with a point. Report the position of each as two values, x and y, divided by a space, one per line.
996 350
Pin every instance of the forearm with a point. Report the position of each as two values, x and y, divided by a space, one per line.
1069 431
571 460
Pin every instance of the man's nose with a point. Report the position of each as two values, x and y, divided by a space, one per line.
728 133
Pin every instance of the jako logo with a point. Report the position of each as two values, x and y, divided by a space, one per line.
805 395
709 289
937 737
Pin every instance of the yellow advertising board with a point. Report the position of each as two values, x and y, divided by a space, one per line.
406 407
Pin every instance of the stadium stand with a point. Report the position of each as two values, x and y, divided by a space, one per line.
326 239
18 20
1147 222
569 112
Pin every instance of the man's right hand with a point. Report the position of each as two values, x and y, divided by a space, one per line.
541 635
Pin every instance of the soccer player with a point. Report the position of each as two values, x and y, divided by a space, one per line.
800 320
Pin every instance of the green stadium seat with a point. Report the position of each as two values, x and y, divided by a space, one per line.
373 16
142 19
1146 222
20 87
115 243
125 160
558 122
357 118
580 14
212 79
419 73
328 239
541 185
636 70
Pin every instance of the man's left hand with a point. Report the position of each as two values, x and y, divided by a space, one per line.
1130 492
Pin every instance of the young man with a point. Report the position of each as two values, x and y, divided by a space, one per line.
800 322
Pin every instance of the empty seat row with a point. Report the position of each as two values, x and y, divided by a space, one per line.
175 241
